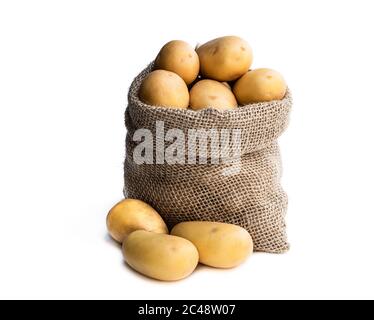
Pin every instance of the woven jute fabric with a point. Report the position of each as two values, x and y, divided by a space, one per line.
252 198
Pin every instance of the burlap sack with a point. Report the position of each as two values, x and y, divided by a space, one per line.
253 198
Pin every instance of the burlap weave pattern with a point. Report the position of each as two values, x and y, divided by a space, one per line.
253 198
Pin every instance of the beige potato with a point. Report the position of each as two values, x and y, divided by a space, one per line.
211 93
225 58
220 245
179 57
260 85
164 88
160 256
226 84
130 215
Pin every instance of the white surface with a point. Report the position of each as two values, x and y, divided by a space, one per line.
65 67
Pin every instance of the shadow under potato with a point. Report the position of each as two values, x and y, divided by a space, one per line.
111 241
142 276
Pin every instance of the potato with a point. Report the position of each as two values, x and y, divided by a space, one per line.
225 59
160 256
130 215
260 85
220 245
179 57
226 84
164 88
211 93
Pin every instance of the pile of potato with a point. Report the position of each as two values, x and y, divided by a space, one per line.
150 249
215 75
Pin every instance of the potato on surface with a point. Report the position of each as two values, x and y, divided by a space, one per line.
130 215
220 245
160 256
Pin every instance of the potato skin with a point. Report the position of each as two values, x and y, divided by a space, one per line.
164 88
129 215
210 93
225 58
260 85
160 256
179 57
220 245
226 84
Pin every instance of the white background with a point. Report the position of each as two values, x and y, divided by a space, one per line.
65 67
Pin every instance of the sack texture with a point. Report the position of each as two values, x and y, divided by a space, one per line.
252 198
